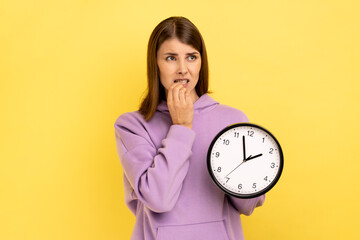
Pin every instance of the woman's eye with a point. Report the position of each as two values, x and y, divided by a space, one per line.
171 58
192 58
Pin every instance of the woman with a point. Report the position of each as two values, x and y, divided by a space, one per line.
163 145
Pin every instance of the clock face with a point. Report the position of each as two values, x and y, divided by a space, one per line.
245 160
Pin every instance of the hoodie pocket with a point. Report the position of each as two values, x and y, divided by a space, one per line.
208 230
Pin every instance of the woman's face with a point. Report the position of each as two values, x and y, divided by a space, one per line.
178 62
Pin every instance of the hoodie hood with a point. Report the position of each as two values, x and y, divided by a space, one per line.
204 103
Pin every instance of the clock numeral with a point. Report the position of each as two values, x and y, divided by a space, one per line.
226 142
240 186
219 169
250 133
217 154
266 178
254 185
263 140
236 134
227 179
272 165
271 150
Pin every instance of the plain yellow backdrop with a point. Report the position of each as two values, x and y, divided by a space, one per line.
69 68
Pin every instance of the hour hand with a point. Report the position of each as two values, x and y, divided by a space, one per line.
252 157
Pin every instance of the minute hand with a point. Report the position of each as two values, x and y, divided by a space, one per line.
244 152
252 157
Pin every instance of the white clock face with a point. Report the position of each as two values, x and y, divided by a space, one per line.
245 160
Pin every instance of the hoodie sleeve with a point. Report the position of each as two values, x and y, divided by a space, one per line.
155 175
247 206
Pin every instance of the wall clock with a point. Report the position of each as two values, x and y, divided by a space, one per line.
245 160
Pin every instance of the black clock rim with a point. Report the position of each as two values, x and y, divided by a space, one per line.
252 195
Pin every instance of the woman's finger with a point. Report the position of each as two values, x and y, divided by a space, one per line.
187 96
170 94
182 95
176 93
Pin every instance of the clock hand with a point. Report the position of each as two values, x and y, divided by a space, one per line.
252 157
235 168
244 148
244 157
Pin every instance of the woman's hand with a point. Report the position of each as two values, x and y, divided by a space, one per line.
180 105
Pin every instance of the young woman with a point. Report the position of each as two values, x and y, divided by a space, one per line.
163 146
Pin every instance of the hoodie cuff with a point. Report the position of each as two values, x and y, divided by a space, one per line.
182 134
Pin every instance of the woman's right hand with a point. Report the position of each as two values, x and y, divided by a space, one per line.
180 105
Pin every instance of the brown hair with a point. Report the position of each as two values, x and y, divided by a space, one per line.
187 33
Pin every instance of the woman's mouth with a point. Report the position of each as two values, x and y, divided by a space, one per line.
182 81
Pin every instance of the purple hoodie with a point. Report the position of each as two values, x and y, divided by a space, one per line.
166 181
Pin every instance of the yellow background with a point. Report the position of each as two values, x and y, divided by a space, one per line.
69 68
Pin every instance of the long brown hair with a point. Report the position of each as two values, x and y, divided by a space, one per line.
187 33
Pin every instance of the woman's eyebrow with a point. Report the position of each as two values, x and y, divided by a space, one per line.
175 54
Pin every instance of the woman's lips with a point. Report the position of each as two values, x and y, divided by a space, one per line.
182 81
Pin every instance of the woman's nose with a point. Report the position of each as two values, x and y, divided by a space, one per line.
182 67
